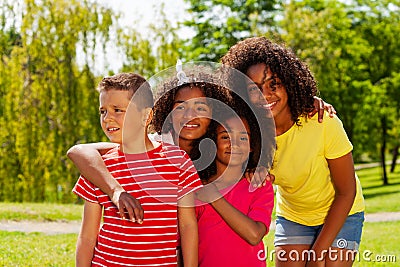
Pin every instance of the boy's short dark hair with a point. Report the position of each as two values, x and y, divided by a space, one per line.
138 87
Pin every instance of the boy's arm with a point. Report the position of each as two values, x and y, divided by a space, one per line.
188 230
88 234
87 159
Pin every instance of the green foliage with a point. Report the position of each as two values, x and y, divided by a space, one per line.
352 49
219 24
334 51
379 25
47 85
157 51
48 75
44 94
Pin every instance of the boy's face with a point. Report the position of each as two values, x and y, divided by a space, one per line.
113 107
233 142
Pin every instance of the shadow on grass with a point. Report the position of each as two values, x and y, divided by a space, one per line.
380 186
386 193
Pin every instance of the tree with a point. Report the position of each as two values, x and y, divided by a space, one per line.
322 34
352 49
379 24
45 93
150 54
219 24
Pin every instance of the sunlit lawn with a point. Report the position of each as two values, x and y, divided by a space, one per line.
380 198
36 249
40 211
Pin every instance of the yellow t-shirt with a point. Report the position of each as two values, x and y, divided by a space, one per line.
304 188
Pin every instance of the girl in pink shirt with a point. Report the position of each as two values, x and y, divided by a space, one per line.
232 218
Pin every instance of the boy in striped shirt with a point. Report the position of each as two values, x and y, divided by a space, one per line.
160 176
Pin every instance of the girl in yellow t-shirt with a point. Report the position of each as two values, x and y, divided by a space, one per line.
320 207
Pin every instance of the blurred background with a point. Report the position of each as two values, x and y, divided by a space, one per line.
54 52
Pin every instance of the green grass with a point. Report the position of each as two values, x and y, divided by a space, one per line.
34 249
37 249
40 211
379 241
379 198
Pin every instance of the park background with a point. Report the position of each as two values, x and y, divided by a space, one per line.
54 52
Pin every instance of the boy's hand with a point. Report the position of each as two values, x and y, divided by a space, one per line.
320 106
125 202
259 177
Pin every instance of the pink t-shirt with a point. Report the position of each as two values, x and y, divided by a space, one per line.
219 245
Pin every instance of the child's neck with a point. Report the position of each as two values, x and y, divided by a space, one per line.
226 176
139 145
184 144
283 123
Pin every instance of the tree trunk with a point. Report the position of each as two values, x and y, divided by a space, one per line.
383 148
394 160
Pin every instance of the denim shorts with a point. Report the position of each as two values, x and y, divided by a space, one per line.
291 233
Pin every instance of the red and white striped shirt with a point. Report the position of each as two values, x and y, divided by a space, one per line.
158 179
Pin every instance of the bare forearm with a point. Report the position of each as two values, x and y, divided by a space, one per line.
189 236
88 160
245 227
189 244
87 237
84 253
343 178
334 221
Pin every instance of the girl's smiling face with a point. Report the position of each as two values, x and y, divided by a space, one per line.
269 92
191 114
233 142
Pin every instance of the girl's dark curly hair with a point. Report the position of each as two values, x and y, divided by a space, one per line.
200 77
295 75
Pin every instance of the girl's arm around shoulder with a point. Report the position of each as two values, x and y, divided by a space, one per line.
320 106
87 158
88 234
188 230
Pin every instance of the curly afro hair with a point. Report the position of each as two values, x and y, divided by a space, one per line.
294 75
213 89
211 86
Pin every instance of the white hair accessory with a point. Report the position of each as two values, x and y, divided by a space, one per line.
181 75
